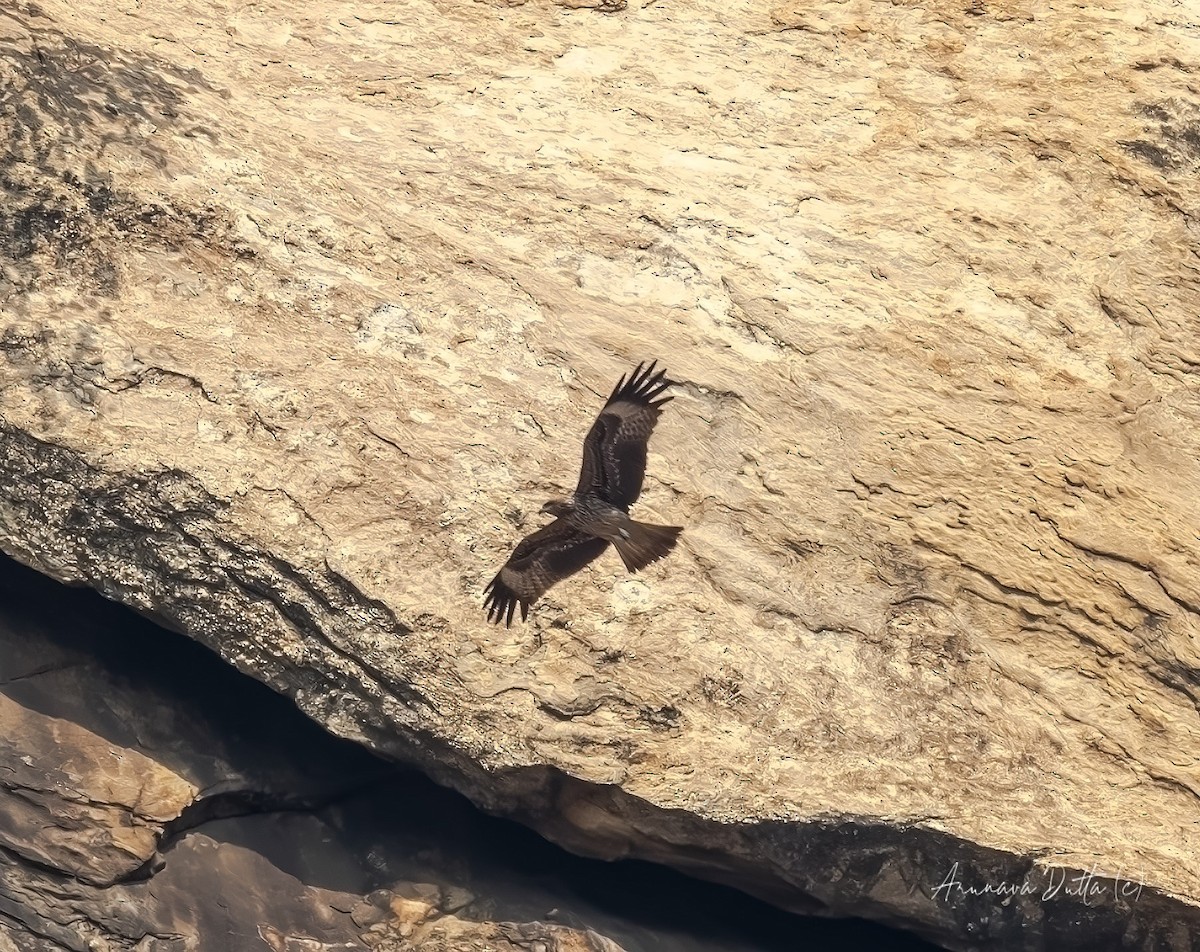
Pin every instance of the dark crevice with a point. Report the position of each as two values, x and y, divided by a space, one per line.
239 804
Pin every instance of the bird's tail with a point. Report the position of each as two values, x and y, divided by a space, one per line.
645 543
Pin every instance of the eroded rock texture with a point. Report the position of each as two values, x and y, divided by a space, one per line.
306 308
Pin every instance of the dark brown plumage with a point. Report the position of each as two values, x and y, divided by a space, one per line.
610 480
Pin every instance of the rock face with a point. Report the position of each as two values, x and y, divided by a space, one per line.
139 812
306 309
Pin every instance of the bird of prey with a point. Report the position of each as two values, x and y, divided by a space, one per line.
614 464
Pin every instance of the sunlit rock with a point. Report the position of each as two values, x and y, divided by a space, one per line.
305 309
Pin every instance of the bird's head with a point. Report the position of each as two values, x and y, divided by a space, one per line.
557 507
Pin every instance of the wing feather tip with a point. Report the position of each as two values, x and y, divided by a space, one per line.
501 602
643 385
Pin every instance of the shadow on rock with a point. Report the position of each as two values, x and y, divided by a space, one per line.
68 109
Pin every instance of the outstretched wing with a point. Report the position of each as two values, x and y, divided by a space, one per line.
614 451
543 558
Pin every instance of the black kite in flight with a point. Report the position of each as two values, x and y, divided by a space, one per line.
614 464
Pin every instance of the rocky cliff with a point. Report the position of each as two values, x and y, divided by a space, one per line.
305 309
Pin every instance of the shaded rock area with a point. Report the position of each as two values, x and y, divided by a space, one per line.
153 799
305 308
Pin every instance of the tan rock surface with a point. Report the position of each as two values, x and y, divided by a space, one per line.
306 309
73 801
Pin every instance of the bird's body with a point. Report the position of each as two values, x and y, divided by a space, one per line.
597 513
592 515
